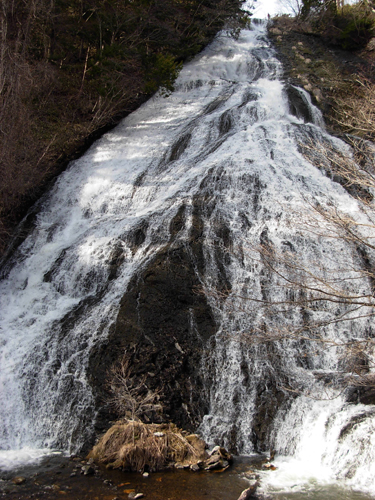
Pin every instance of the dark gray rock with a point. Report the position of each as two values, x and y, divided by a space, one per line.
250 492
154 328
87 470
298 104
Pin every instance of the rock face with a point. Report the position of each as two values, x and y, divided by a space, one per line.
269 400
298 104
163 324
361 394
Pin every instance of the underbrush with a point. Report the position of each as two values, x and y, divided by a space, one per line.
69 71
355 111
135 446
352 27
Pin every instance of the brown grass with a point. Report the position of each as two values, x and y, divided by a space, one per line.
133 446
355 113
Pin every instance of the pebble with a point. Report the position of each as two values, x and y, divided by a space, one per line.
87 470
18 480
135 496
145 474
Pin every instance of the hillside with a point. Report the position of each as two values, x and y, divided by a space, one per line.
341 82
71 70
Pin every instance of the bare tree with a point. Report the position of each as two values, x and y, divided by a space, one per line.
291 6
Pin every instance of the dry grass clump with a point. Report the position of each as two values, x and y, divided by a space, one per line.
136 446
355 113
129 396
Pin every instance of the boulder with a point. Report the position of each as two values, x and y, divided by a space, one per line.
87 470
248 494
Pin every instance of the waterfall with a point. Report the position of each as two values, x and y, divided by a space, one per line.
228 145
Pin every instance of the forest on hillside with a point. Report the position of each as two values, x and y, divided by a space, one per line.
69 69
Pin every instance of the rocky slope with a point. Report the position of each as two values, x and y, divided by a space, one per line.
326 71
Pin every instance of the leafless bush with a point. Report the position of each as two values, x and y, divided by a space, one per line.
130 397
355 113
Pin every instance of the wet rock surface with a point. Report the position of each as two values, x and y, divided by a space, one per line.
269 401
299 106
163 325
249 493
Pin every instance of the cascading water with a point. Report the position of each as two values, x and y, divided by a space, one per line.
226 141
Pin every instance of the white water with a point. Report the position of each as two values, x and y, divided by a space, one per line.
239 137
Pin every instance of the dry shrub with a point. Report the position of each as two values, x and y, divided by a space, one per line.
134 446
355 113
129 396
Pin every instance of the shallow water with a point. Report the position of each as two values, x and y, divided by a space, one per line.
323 493
52 479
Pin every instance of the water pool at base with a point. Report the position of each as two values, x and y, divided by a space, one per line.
52 478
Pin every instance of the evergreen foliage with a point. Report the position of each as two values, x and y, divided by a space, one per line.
356 24
350 26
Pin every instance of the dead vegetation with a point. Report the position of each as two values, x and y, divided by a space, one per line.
136 446
355 112
129 396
